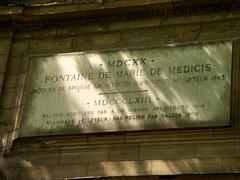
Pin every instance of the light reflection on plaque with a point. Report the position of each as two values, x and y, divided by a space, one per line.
143 89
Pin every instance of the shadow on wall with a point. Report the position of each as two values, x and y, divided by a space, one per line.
2 175
19 169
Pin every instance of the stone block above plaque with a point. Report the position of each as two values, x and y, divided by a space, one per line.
128 90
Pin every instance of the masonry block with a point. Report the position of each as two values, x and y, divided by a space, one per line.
106 169
82 42
65 171
104 139
121 154
3 63
46 32
19 47
14 64
106 39
153 22
181 20
5 116
42 159
218 30
5 45
165 167
58 9
10 81
7 33
148 36
186 166
236 80
84 156
167 152
1 79
80 30
231 165
137 168
214 150
7 101
51 44
162 137
222 177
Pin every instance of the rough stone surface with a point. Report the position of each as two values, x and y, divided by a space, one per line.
3 63
7 101
14 66
4 46
106 39
123 154
1 79
50 44
167 152
84 156
214 150
235 84
4 51
19 47
10 81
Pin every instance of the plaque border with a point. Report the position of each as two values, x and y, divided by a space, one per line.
27 60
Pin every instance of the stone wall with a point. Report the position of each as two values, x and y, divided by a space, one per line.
5 46
183 151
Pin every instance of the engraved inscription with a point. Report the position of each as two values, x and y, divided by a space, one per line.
150 88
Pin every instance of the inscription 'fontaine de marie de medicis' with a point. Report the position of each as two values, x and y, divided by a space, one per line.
138 89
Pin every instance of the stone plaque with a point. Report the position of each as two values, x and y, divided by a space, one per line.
125 90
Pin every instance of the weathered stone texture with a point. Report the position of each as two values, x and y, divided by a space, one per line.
230 165
106 39
235 84
44 159
84 156
36 33
5 116
5 46
82 42
58 9
218 30
167 152
4 51
7 100
153 137
3 63
124 168
10 81
1 79
128 25
116 139
14 64
19 47
124 154
79 29
105 169
214 150
50 44
133 168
